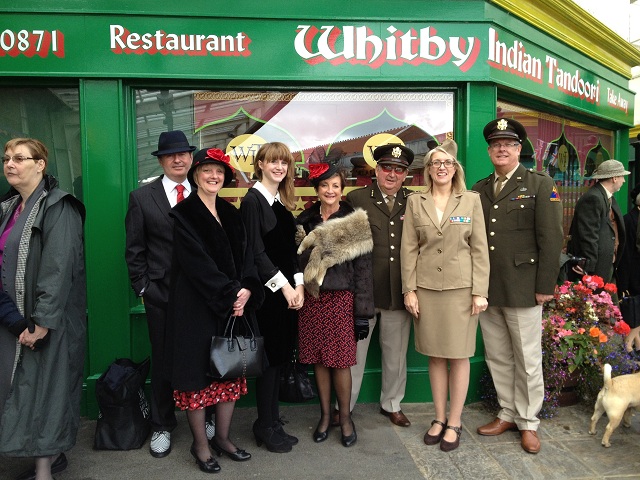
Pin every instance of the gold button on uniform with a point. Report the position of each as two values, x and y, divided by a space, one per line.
492 247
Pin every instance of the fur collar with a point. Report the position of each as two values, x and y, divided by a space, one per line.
338 240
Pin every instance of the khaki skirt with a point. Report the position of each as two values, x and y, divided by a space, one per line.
445 328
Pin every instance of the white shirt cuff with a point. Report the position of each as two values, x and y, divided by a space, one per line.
298 278
276 282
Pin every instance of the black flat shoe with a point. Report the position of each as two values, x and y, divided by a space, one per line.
449 446
237 456
208 466
435 439
349 441
58 465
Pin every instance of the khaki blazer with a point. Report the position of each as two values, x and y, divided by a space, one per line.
447 254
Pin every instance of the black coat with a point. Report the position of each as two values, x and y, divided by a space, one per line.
592 233
211 263
629 268
272 240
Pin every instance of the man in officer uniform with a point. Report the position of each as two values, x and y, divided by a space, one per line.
523 217
384 202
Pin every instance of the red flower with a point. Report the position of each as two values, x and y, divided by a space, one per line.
610 287
622 328
317 169
220 156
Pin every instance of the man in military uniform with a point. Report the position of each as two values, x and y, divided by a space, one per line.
384 202
523 217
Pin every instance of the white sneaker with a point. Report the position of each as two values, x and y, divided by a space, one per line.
160 445
210 427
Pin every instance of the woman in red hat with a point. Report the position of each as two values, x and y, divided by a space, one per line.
338 277
213 276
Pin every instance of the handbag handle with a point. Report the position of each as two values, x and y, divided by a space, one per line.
228 329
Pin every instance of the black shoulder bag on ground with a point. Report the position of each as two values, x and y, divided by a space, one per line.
295 384
123 419
238 353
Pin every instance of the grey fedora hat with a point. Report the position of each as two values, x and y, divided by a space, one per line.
608 169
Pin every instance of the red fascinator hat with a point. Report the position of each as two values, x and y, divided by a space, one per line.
321 171
215 156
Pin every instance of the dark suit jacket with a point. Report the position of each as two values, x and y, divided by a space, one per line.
386 229
524 232
149 242
592 234
628 277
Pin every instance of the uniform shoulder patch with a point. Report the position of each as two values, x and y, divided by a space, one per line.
555 196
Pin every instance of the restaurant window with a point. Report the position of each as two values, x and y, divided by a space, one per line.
569 151
338 127
50 115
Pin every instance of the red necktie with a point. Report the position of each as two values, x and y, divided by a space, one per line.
180 189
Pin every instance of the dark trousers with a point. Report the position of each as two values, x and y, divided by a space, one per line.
163 415
267 390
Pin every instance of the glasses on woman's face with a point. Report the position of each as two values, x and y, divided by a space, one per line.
389 169
439 163
16 158
498 145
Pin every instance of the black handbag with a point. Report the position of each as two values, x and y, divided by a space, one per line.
123 418
295 384
236 354
630 310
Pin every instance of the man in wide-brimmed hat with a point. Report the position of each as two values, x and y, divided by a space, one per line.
597 230
148 254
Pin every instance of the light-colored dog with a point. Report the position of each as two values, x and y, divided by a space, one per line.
618 398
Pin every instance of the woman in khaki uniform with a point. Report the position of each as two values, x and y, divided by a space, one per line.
445 280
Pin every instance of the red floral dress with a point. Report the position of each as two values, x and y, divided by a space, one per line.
218 391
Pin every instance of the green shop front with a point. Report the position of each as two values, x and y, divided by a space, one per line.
99 82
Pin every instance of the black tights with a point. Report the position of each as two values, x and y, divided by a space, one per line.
267 390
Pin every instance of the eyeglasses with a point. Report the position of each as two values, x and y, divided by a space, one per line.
389 169
498 145
16 158
439 163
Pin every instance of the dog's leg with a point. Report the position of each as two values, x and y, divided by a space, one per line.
626 420
614 421
598 410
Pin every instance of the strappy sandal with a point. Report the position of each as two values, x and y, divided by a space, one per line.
448 446
435 439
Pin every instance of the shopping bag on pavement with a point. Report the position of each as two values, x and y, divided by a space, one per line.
123 419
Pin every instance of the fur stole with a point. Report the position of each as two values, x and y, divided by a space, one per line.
333 242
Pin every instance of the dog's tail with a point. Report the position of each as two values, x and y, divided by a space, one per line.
607 376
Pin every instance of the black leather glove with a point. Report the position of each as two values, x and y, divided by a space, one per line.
41 342
361 327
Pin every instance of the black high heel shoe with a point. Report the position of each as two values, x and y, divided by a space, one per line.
237 456
272 440
349 441
208 466
319 436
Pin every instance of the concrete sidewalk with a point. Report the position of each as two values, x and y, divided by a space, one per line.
383 451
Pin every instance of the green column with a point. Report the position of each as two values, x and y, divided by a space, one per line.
103 132
479 108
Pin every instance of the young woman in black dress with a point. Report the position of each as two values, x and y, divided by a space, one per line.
266 212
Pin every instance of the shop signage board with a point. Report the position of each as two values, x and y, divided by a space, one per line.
250 49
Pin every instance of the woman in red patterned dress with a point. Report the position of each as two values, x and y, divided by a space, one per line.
338 277
213 276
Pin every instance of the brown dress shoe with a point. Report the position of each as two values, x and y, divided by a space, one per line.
530 441
397 418
497 427
335 418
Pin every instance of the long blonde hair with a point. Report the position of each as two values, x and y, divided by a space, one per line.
270 152
457 182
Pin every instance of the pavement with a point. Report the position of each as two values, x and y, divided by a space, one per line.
383 451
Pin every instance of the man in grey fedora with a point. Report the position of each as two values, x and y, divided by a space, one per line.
148 254
597 229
